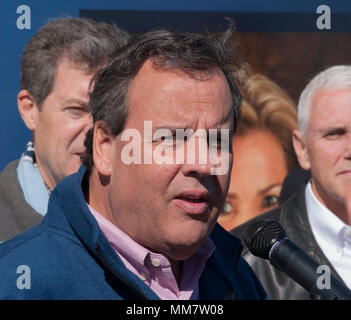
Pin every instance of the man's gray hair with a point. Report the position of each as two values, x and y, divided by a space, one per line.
85 42
337 77
191 53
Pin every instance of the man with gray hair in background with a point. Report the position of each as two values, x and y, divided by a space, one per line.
56 68
318 216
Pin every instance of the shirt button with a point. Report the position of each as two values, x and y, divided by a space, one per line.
143 276
338 250
156 262
348 232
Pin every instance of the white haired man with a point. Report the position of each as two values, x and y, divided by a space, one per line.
316 217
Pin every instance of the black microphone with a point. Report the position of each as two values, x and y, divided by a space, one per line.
267 239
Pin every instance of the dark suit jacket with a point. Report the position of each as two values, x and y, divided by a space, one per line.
292 216
292 182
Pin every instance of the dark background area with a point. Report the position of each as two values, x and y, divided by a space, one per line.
292 59
285 46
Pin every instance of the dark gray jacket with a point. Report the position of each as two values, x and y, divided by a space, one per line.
16 215
292 216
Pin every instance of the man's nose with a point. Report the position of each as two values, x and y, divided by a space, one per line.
197 169
199 164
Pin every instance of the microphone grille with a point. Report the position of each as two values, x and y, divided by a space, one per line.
259 236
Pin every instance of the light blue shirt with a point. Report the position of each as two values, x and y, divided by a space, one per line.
32 184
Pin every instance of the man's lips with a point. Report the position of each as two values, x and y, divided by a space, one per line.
345 172
193 202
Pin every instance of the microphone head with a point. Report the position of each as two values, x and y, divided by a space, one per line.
260 236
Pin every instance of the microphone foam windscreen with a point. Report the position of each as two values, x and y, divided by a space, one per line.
261 235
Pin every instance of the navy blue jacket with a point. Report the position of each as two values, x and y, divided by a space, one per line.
69 257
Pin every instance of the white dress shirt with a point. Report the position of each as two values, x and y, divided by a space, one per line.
332 235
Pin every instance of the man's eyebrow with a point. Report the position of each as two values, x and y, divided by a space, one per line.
83 103
332 129
184 128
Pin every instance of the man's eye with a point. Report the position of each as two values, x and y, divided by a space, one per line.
76 111
270 200
166 139
218 141
214 143
332 134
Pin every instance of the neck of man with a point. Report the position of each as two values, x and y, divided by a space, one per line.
96 195
336 205
48 179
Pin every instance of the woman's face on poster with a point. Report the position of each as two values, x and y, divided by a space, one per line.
257 176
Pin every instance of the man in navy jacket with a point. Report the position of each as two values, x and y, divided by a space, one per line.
138 220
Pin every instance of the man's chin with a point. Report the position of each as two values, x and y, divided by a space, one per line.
182 248
181 253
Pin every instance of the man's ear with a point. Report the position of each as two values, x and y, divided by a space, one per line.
27 108
102 148
299 144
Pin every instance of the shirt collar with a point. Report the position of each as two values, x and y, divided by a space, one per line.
136 255
127 248
325 222
29 156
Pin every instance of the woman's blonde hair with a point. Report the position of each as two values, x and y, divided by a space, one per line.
266 106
